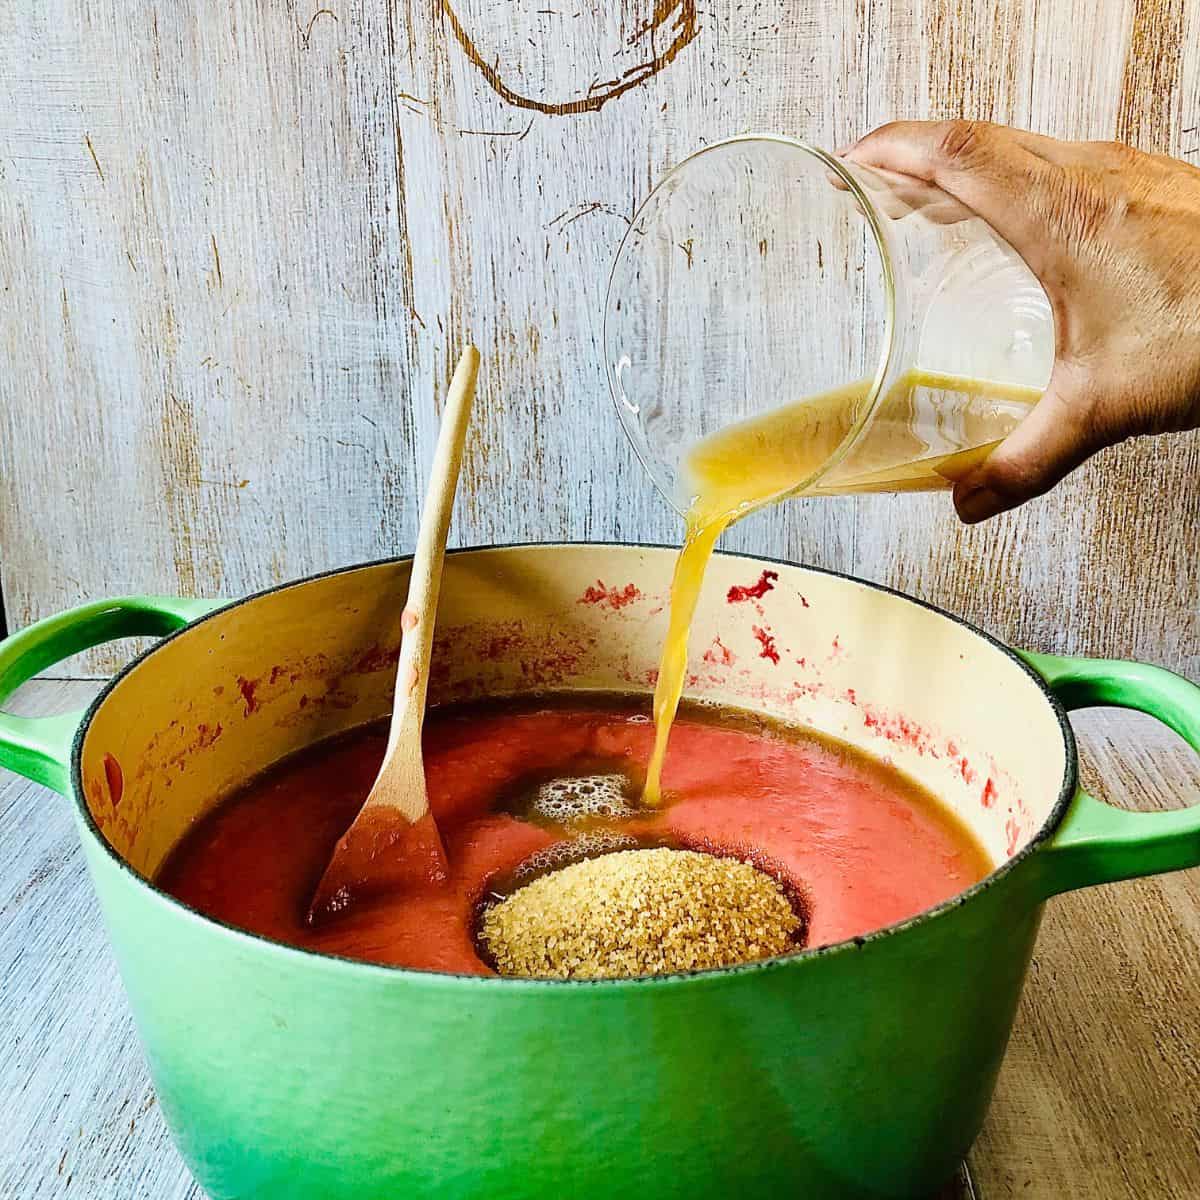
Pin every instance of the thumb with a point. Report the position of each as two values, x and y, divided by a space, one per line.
1057 436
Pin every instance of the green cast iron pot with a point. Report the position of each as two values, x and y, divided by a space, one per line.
859 1070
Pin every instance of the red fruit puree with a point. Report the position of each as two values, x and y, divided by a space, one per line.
862 844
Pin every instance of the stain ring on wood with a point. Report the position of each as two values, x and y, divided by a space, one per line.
600 94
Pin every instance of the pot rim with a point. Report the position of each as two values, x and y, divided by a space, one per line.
338 962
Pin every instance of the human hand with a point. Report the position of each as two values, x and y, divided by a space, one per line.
1113 235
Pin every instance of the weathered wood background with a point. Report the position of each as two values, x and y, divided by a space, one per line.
241 244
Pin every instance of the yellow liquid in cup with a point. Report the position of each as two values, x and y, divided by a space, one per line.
928 431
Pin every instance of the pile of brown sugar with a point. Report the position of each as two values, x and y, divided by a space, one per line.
640 912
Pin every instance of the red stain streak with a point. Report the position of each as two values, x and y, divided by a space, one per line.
767 642
1014 835
496 647
901 730
248 687
206 735
114 778
756 591
906 732
804 601
612 597
552 667
377 658
542 659
719 654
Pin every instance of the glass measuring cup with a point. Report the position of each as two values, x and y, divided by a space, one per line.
779 321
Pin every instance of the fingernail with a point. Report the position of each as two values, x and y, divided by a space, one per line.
978 504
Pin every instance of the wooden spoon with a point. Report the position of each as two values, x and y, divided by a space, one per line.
394 841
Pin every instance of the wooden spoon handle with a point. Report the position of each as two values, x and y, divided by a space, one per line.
420 611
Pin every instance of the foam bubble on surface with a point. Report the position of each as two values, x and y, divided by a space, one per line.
572 799
576 849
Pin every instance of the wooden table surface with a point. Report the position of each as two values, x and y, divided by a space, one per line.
1099 1097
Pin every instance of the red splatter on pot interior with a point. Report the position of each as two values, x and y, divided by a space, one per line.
718 654
756 591
115 779
248 688
615 598
767 643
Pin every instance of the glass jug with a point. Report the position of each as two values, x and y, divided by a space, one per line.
780 321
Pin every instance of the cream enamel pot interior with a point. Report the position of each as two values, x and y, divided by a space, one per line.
861 1070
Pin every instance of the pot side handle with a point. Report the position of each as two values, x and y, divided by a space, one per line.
40 747
1097 843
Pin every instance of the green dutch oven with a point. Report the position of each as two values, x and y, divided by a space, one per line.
858 1070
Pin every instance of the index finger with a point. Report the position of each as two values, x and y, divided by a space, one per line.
987 167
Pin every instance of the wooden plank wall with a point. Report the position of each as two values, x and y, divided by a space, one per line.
241 244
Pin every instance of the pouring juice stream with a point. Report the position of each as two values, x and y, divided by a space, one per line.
745 466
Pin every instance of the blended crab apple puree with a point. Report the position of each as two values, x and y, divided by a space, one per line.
861 844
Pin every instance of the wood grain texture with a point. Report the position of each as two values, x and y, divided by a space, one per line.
242 248
80 1112
1100 1090
1097 1097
